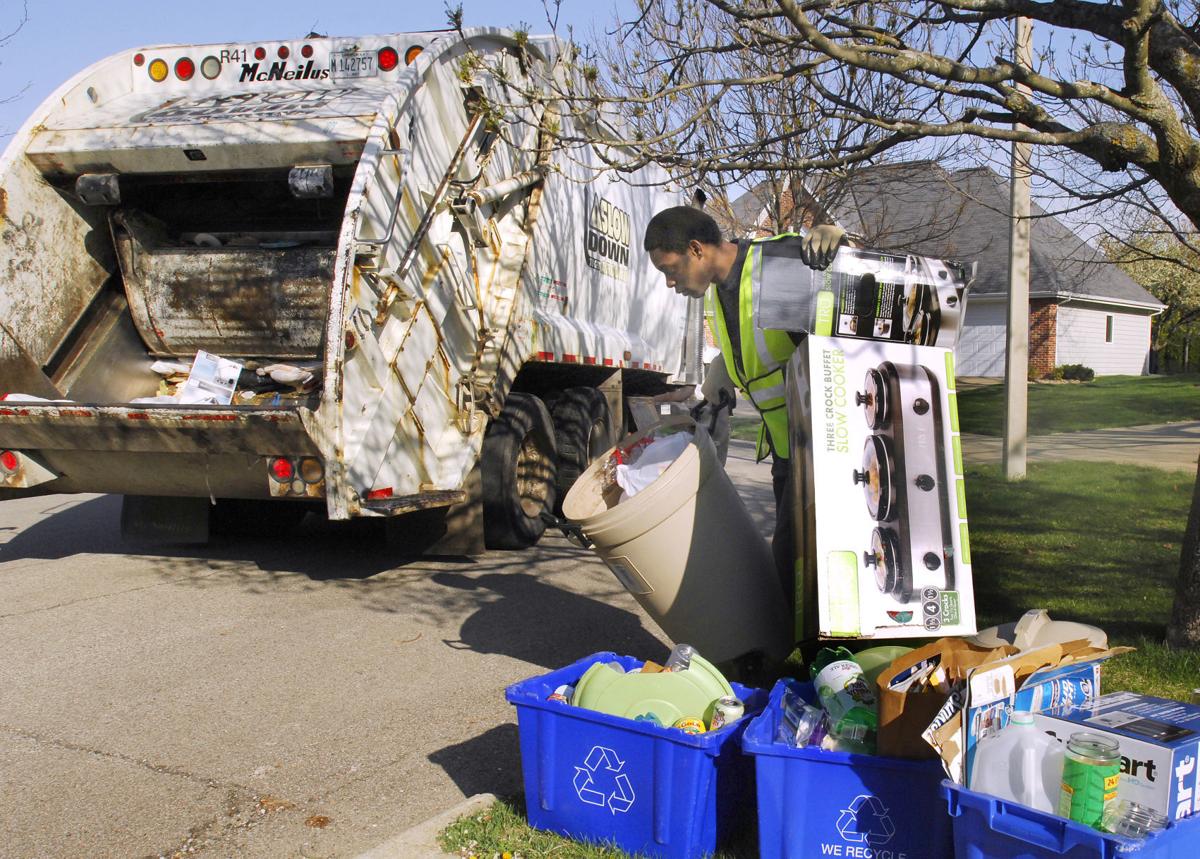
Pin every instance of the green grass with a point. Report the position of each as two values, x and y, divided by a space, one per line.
500 832
745 426
1109 401
1092 542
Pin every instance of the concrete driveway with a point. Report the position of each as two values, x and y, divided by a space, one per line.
307 696
1173 446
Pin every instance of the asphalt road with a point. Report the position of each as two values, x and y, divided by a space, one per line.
299 696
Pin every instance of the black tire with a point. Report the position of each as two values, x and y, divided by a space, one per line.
583 430
518 473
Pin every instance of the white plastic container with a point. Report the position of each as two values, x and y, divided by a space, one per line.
1021 763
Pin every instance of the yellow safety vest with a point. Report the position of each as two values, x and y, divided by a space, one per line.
763 353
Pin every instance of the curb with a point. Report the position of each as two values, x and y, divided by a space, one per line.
421 840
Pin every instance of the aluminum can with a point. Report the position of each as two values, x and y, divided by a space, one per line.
1091 772
562 693
727 710
690 725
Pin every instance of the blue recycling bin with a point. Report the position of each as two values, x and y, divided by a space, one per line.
813 802
650 790
987 827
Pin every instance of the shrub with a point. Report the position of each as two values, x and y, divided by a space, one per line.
1075 372
1054 375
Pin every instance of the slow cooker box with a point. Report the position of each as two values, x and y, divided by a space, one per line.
880 507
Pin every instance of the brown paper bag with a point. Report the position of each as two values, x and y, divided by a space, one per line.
903 716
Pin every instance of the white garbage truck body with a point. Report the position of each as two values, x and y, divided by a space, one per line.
383 221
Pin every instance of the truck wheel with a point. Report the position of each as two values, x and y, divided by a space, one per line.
518 470
583 430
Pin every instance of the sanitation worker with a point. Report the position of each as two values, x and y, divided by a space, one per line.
686 245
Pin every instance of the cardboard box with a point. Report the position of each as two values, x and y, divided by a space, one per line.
1058 675
905 715
866 294
880 505
1159 746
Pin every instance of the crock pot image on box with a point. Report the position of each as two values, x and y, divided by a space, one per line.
922 314
903 476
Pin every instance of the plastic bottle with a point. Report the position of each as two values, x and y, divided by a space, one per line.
1021 763
800 723
680 658
847 698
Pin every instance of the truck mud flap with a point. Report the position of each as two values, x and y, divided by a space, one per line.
153 519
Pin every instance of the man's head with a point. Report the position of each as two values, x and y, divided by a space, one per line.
685 244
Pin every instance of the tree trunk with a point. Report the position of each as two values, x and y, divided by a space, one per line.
1184 629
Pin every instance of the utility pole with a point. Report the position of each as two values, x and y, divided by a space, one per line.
1016 360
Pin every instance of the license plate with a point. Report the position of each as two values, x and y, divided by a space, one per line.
353 64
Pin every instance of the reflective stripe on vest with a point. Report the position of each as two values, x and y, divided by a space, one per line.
763 353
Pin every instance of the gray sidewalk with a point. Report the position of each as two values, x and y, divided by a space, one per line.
1173 446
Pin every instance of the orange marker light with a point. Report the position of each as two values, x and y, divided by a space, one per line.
158 70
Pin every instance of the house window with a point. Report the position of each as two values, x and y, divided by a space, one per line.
1108 327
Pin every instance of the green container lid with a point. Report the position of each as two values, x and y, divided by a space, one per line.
874 659
664 696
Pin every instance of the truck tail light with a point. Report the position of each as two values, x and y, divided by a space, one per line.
184 68
210 67
158 70
411 54
8 461
388 59
311 470
282 469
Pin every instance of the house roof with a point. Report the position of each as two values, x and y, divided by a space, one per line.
963 215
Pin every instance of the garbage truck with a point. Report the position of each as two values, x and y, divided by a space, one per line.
421 300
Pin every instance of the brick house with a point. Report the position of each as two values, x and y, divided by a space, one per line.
1082 309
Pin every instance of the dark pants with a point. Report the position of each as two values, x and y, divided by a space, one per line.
783 543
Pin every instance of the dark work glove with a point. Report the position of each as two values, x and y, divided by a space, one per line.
820 246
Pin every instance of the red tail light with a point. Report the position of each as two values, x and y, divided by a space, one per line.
184 69
260 53
8 461
388 59
282 470
284 52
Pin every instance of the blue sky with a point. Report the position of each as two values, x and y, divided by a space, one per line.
62 37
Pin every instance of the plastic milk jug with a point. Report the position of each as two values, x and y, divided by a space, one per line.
1021 763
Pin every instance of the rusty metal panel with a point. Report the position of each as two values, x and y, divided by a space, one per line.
158 429
54 258
232 301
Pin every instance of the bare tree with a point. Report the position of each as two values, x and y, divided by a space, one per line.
21 19
1170 270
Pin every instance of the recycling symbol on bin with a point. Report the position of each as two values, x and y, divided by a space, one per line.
866 820
601 769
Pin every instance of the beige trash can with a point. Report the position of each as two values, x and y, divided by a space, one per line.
688 551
